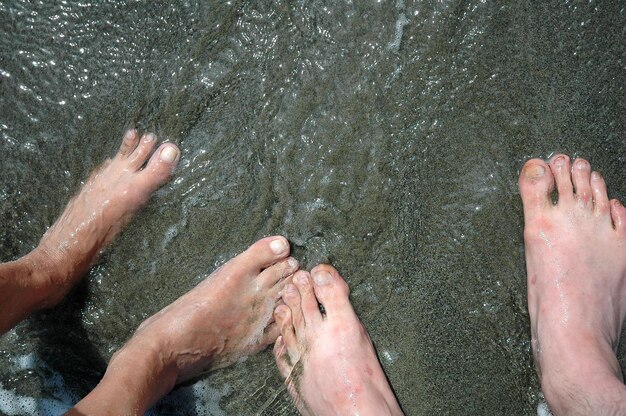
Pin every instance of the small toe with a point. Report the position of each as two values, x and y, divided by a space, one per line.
600 196
536 183
143 150
129 143
161 165
280 355
284 321
618 214
291 297
277 272
310 308
581 176
561 170
331 290
270 334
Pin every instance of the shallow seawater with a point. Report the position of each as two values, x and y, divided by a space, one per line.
384 137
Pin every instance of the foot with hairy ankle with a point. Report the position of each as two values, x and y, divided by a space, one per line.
576 264
106 202
224 318
327 358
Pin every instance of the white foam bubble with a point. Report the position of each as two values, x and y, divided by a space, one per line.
205 400
13 404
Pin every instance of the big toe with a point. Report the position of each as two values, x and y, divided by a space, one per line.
259 256
331 290
161 165
536 184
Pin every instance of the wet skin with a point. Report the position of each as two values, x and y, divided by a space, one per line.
327 359
227 316
106 202
576 264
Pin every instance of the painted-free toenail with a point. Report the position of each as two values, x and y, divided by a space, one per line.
150 137
596 176
169 154
291 289
559 161
322 278
293 263
581 164
280 312
279 246
301 279
535 171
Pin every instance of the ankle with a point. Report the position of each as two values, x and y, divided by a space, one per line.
137 377
53 275
598 393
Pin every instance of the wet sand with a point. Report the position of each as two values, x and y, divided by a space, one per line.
385 138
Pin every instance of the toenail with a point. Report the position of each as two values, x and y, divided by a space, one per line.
321 278
169 154
581 164
280 312
291 289
559 161
596 176
301 279
535 171
279 246
150 137
292 263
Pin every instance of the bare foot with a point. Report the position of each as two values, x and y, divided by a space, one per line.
576 263
227 316
328 360
106 202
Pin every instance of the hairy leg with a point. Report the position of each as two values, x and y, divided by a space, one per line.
576 263
225 317
327 359
106 202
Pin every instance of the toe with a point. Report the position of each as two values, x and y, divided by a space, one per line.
264 253
292 299
129 143
284 321
260 255
280 354
561 170
161 165
308 303
536 184
270 334
600 196
143 150
274 274
618 213
331 290
581 176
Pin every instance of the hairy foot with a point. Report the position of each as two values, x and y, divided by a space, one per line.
576 264
228 315
327 359
225 317
106 202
